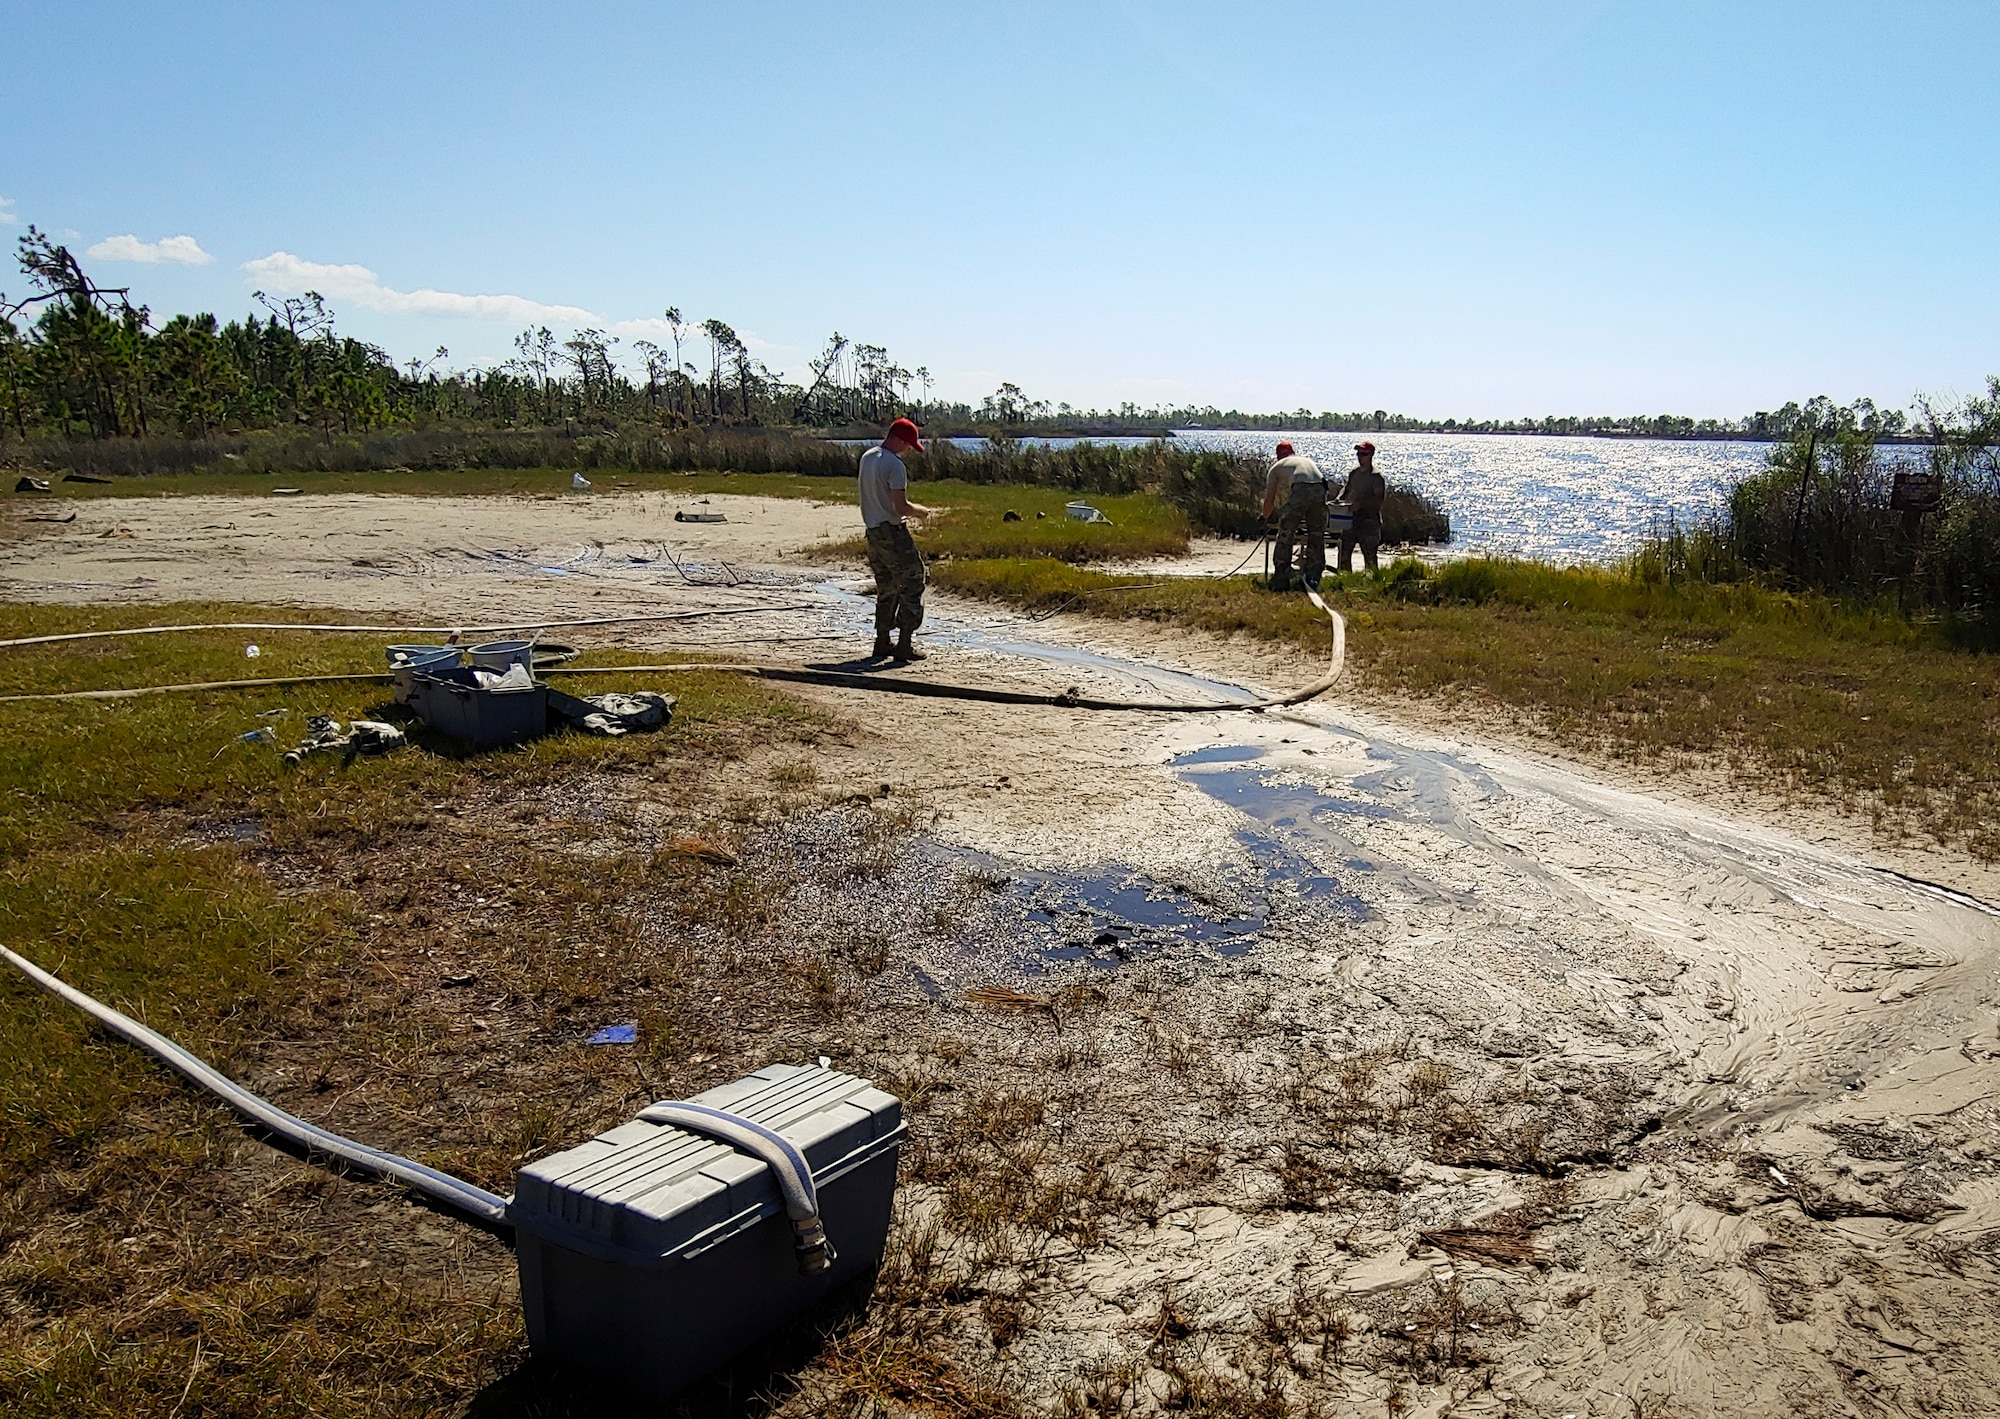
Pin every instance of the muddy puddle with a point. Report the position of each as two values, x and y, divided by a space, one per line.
1114 914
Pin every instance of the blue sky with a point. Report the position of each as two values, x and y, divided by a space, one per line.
1445 209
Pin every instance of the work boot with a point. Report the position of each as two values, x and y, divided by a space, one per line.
905 652
883 649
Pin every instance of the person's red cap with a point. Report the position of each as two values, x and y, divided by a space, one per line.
906 431
1285 450
1364 447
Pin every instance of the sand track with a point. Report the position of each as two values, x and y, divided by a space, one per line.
1794 1052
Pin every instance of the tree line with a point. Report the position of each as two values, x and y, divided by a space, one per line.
1835 512
79 359
83 360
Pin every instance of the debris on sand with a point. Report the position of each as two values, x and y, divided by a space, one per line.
361 736
614 713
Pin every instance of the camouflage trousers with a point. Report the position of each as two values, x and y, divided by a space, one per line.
899 578
1302 519
1366 533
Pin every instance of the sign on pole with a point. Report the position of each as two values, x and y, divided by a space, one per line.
1917 492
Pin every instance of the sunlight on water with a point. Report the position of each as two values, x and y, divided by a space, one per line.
1559 499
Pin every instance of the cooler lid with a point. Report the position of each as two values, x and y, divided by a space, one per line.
651 1192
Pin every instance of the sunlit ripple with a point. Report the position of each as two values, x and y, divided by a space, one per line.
1558 499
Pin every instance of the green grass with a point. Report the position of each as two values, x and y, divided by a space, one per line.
258 915
1796 695
972 523
106 874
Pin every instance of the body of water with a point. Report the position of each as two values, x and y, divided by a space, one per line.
1557 499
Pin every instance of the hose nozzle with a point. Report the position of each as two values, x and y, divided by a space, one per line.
816 1253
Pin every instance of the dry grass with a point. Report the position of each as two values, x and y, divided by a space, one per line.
392 948
451 482
410 949
1791 695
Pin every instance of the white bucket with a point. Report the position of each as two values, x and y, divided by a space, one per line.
421 657
498 655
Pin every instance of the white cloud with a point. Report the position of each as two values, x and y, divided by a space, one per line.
285 273
7 217
654 328
180 250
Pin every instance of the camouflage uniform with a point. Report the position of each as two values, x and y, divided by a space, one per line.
1365 492
1302 517
899 578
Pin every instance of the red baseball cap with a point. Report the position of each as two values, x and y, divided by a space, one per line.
905 430
1285 450
1364 447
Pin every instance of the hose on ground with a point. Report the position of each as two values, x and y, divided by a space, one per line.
1222 576
850 680
788 1165
454 1195
802 675
402 630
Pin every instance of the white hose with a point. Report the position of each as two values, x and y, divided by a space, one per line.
788 1167
694 615
454 1195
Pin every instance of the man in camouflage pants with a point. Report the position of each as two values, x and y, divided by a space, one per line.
1295 492
892 552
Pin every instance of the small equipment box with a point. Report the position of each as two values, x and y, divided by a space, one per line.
454 701
651 1255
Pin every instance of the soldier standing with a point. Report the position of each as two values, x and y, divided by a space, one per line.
1296 492
892 552
1365 492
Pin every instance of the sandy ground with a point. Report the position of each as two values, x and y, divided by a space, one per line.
1792 1042
464 556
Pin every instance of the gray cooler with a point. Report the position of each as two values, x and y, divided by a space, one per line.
650 1256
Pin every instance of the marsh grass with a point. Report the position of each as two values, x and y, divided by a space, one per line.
409 949
1795 695
302 928
972 523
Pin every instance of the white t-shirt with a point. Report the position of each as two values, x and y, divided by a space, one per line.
881 473
1295 468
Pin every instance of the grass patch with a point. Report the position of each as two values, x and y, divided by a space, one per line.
1799 695
120 825
282 924
972 524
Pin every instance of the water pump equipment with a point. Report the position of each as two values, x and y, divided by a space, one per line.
657 1251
